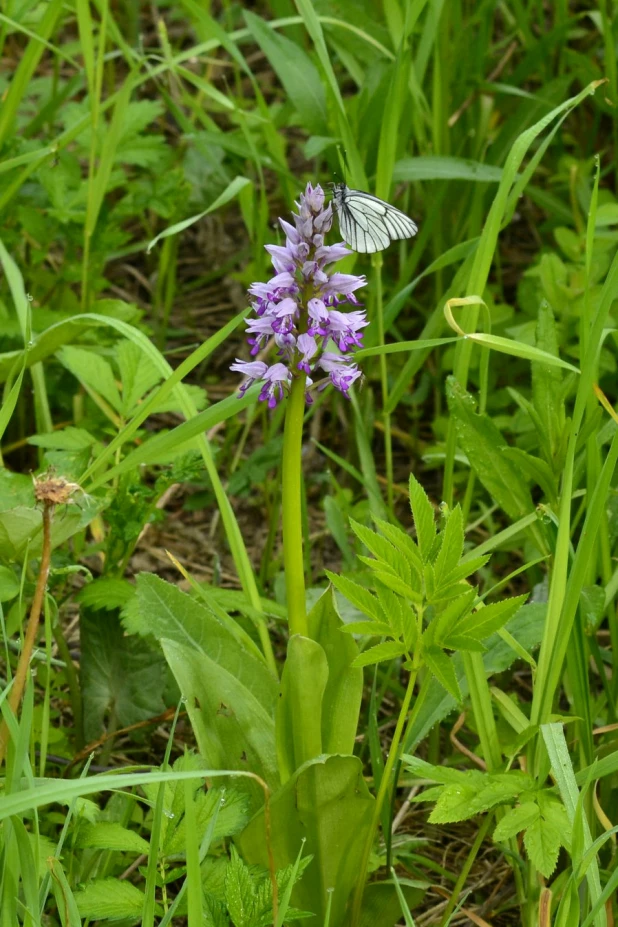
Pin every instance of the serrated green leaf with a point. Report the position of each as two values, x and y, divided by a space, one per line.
483 443
397 584
110 898
542 842
465 569
66 439
424 520
453 805
448 619
442 668
389 650
516 820
106 593
387 555
110 835
451 547
362 598
367 627
491 618
402 542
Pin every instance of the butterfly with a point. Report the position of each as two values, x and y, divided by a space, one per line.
368 224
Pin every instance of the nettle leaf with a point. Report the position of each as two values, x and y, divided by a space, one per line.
403 542
451 547
388 555
389 650
480 624
424 520
442 668
453 805
106 593
110 898
542 840
240 895
515 820
362 598
483 444
110 835
499 788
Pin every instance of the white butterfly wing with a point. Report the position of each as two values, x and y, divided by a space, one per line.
367 223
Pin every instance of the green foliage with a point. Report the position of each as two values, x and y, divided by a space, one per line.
422 600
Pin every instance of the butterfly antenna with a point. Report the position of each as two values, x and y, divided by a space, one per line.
342 155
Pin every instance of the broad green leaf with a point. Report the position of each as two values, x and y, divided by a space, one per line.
424 520
232 727
451 548
295 70
110 835
483 443
440 167
9 584
440 666
534 468
93 371
299 709
389 650
110 898
118 674
344 689
515 820
382 907
326 802
162 610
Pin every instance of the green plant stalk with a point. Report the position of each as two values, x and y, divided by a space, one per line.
382 793
465 870
292 523
386 418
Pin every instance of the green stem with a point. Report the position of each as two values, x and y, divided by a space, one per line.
291 473
463 875
386 418
382 792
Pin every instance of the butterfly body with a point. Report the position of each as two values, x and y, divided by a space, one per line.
368 224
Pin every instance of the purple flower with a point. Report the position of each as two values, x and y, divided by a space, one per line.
301 308
341 371
274 379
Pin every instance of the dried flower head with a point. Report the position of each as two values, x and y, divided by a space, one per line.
54 490
300 308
